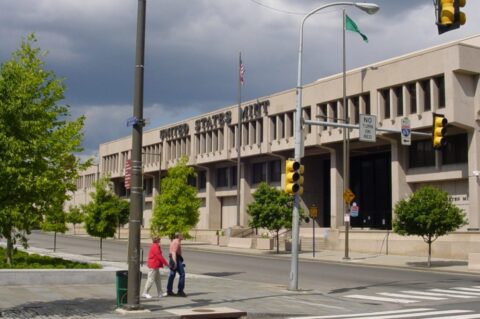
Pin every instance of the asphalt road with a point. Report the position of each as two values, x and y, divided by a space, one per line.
357 282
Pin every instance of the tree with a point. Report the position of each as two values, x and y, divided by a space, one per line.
271 209
103 212
55 220
123 209
427 213
177 206
75 216
37 143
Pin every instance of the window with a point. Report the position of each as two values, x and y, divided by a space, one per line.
222 177
440 83
356 110
192 181
322 112
308 116
456 149
202 179
385 102
273 121
399 100
366 100
148 186
427 104
421 154
260 130
275 171
334 111
412 92
233 175
259 173
290 124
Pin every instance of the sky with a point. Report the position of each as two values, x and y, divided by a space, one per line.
192 49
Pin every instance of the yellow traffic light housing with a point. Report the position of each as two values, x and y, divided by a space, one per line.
449 16
293 177
439 129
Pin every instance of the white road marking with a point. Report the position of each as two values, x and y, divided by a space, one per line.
386 299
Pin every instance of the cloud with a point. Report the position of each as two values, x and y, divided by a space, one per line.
192 47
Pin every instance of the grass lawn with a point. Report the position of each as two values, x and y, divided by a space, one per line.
23 260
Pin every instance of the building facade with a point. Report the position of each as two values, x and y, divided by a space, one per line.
443 79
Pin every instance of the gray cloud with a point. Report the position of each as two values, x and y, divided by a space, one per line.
192 50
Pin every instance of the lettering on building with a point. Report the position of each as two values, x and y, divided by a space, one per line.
174 132
212 122
459 199
254 111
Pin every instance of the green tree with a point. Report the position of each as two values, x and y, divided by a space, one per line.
37 143
55 220
177 206
123 209
271 209
75 216
102 213
427 213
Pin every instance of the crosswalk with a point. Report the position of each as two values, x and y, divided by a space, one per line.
423 313
415 296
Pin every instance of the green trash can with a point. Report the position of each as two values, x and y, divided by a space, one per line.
122 287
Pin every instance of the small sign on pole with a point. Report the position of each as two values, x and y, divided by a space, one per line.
406 132
348 196
354 210
368 128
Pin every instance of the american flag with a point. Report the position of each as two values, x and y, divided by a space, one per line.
242 72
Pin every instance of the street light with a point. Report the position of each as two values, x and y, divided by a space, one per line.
369 8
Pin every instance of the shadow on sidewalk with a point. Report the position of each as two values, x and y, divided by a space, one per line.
438 263
79 307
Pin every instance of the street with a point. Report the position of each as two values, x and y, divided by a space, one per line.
332 286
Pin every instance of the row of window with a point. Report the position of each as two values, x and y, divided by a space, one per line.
400 100
422 154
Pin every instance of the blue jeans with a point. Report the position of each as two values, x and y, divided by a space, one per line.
171 277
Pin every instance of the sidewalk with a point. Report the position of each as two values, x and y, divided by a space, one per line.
258 300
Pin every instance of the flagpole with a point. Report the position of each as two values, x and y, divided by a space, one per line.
346 137
239 132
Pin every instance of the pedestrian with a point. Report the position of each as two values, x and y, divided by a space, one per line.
176 265
154 263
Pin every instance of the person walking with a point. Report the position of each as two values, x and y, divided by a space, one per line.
176 265
154 263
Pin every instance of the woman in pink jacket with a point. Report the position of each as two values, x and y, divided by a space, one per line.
154 263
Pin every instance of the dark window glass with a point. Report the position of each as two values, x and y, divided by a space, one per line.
366 99
254 133
412 91
308 116
148 186
233 175
274 127
440 83
385 94
192 181
290 119
421 154
323 114
202 179
260 130
399 98
426 95
335 111
275 171
456 149
222 177
356 109
259 173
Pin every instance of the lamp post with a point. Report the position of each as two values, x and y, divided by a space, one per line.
370 8
136 195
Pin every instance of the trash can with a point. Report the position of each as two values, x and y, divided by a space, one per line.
121 285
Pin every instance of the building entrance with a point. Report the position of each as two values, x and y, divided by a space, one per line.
370 181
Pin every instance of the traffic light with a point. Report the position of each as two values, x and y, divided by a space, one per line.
293 177
439 129
449 16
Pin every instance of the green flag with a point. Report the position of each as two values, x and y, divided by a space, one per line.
352 26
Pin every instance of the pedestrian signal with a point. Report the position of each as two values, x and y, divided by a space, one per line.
293 177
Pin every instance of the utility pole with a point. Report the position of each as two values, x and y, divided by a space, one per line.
136 193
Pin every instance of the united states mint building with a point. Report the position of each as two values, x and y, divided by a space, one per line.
443 79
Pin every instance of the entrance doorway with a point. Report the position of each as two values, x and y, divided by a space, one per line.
370 181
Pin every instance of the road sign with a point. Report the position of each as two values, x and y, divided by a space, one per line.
348 196
368 128
313 211
406 132
132 121
354 210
